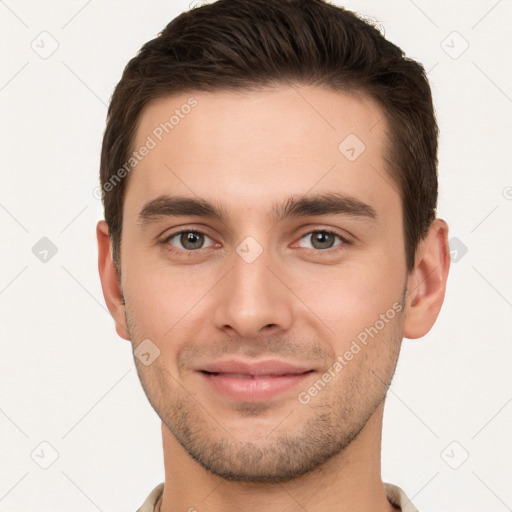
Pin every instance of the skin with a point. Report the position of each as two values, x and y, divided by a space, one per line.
299 301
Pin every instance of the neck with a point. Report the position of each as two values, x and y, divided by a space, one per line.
349 481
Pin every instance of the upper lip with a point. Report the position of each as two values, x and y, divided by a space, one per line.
267 367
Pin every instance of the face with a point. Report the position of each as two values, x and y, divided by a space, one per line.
263 257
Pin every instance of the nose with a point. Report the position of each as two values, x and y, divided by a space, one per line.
253 299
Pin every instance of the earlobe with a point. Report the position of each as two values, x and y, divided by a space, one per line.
110 281
427 283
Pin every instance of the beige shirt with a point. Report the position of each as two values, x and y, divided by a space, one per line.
395 495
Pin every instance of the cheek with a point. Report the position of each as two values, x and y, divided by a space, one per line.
163 298
352 296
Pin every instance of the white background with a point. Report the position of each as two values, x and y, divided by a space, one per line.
67 379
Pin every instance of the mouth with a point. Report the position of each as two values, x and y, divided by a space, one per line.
250 376
250 387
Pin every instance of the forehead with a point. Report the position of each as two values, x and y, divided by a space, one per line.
254 147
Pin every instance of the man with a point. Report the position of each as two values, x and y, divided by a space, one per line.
270 236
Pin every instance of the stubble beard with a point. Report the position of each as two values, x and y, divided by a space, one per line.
329 423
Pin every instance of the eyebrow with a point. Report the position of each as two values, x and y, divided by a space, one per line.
166 205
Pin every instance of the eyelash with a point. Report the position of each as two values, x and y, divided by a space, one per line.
330 250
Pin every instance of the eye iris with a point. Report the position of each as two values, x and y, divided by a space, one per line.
322 240
191 240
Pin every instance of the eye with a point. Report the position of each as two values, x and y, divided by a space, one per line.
189 240
323 239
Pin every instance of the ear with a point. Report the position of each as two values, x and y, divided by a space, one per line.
426 284
110 281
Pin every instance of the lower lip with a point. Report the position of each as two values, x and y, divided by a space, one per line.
253 390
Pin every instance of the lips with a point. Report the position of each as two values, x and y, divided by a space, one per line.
254 381
247 376
270 368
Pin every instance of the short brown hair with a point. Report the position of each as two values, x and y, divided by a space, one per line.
245 44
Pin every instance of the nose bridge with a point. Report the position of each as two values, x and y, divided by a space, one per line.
252 297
